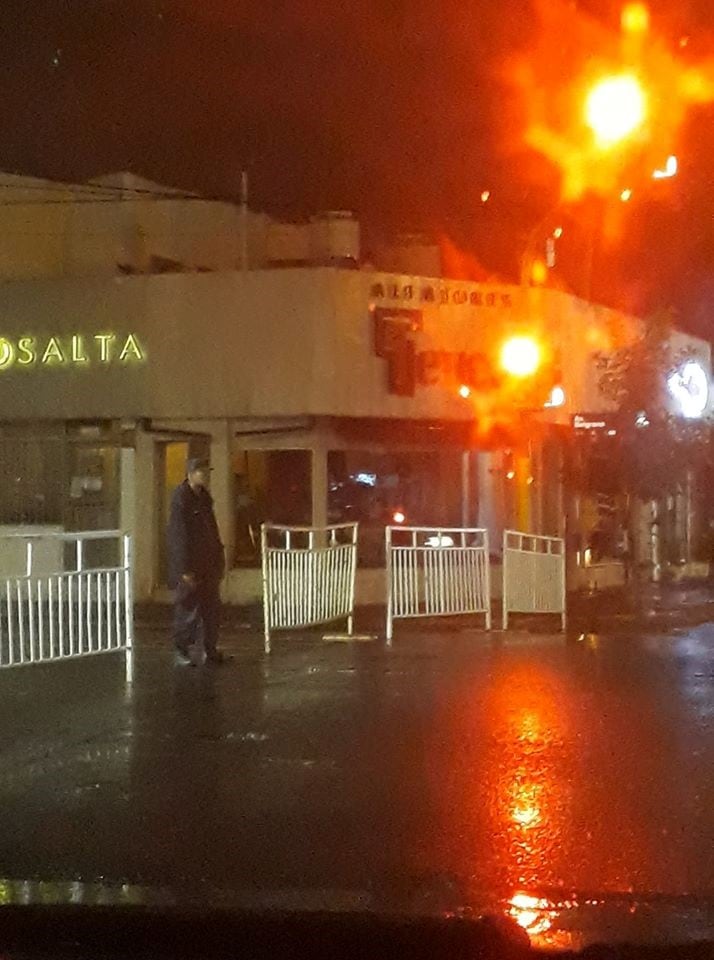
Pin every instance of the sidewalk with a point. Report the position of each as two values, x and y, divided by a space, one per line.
650 606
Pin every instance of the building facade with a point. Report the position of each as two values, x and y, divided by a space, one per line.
320 388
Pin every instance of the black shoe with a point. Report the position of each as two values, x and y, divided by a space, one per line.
216 656
182 658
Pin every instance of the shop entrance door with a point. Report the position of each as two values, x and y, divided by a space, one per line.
171 471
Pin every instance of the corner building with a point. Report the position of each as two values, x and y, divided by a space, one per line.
321 389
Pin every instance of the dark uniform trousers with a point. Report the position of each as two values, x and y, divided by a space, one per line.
197 614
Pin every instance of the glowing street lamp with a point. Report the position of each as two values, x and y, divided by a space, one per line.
669 169
539 272
690 388
520 356
615 108
557 397
635 18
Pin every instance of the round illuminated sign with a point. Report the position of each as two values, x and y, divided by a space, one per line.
7 354
690 388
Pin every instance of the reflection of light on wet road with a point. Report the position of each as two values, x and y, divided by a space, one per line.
531 770
555 770
531 913
526 811
544 919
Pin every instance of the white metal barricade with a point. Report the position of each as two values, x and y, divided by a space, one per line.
533 574
308 575
56 610
436 572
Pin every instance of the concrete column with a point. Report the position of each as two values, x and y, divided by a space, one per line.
656 540
524 514
538 488
127 494
550 478
573 540
319 486
144 519
466 488
490 501
127 490
222 486
689 525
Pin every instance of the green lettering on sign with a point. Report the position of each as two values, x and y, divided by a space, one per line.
71 350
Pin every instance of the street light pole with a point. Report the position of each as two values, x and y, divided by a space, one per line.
244 219
528 257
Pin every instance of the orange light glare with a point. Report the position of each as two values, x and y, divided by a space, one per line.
524 901
520 356
485 195
398 516
626 195
464 391
556 398
531 913
615 108
539 273
526 816
635 18
669 169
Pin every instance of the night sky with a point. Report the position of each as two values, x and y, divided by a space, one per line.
400 110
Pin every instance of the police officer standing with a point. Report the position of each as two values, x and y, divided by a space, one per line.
196 565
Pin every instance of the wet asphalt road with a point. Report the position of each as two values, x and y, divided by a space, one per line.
456 768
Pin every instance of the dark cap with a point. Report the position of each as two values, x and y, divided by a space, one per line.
197 463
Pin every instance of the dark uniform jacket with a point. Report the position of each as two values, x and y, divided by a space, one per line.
194 544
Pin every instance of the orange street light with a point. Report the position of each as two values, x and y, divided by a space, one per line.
635 18
615 108
520 356
539 272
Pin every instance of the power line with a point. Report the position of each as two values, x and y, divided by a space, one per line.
60 187
94 193
87 200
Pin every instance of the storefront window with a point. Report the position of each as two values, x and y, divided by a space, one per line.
93 496
32 479
415 488
412 489
50 479
269 486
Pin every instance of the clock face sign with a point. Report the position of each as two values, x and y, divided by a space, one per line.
689 386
